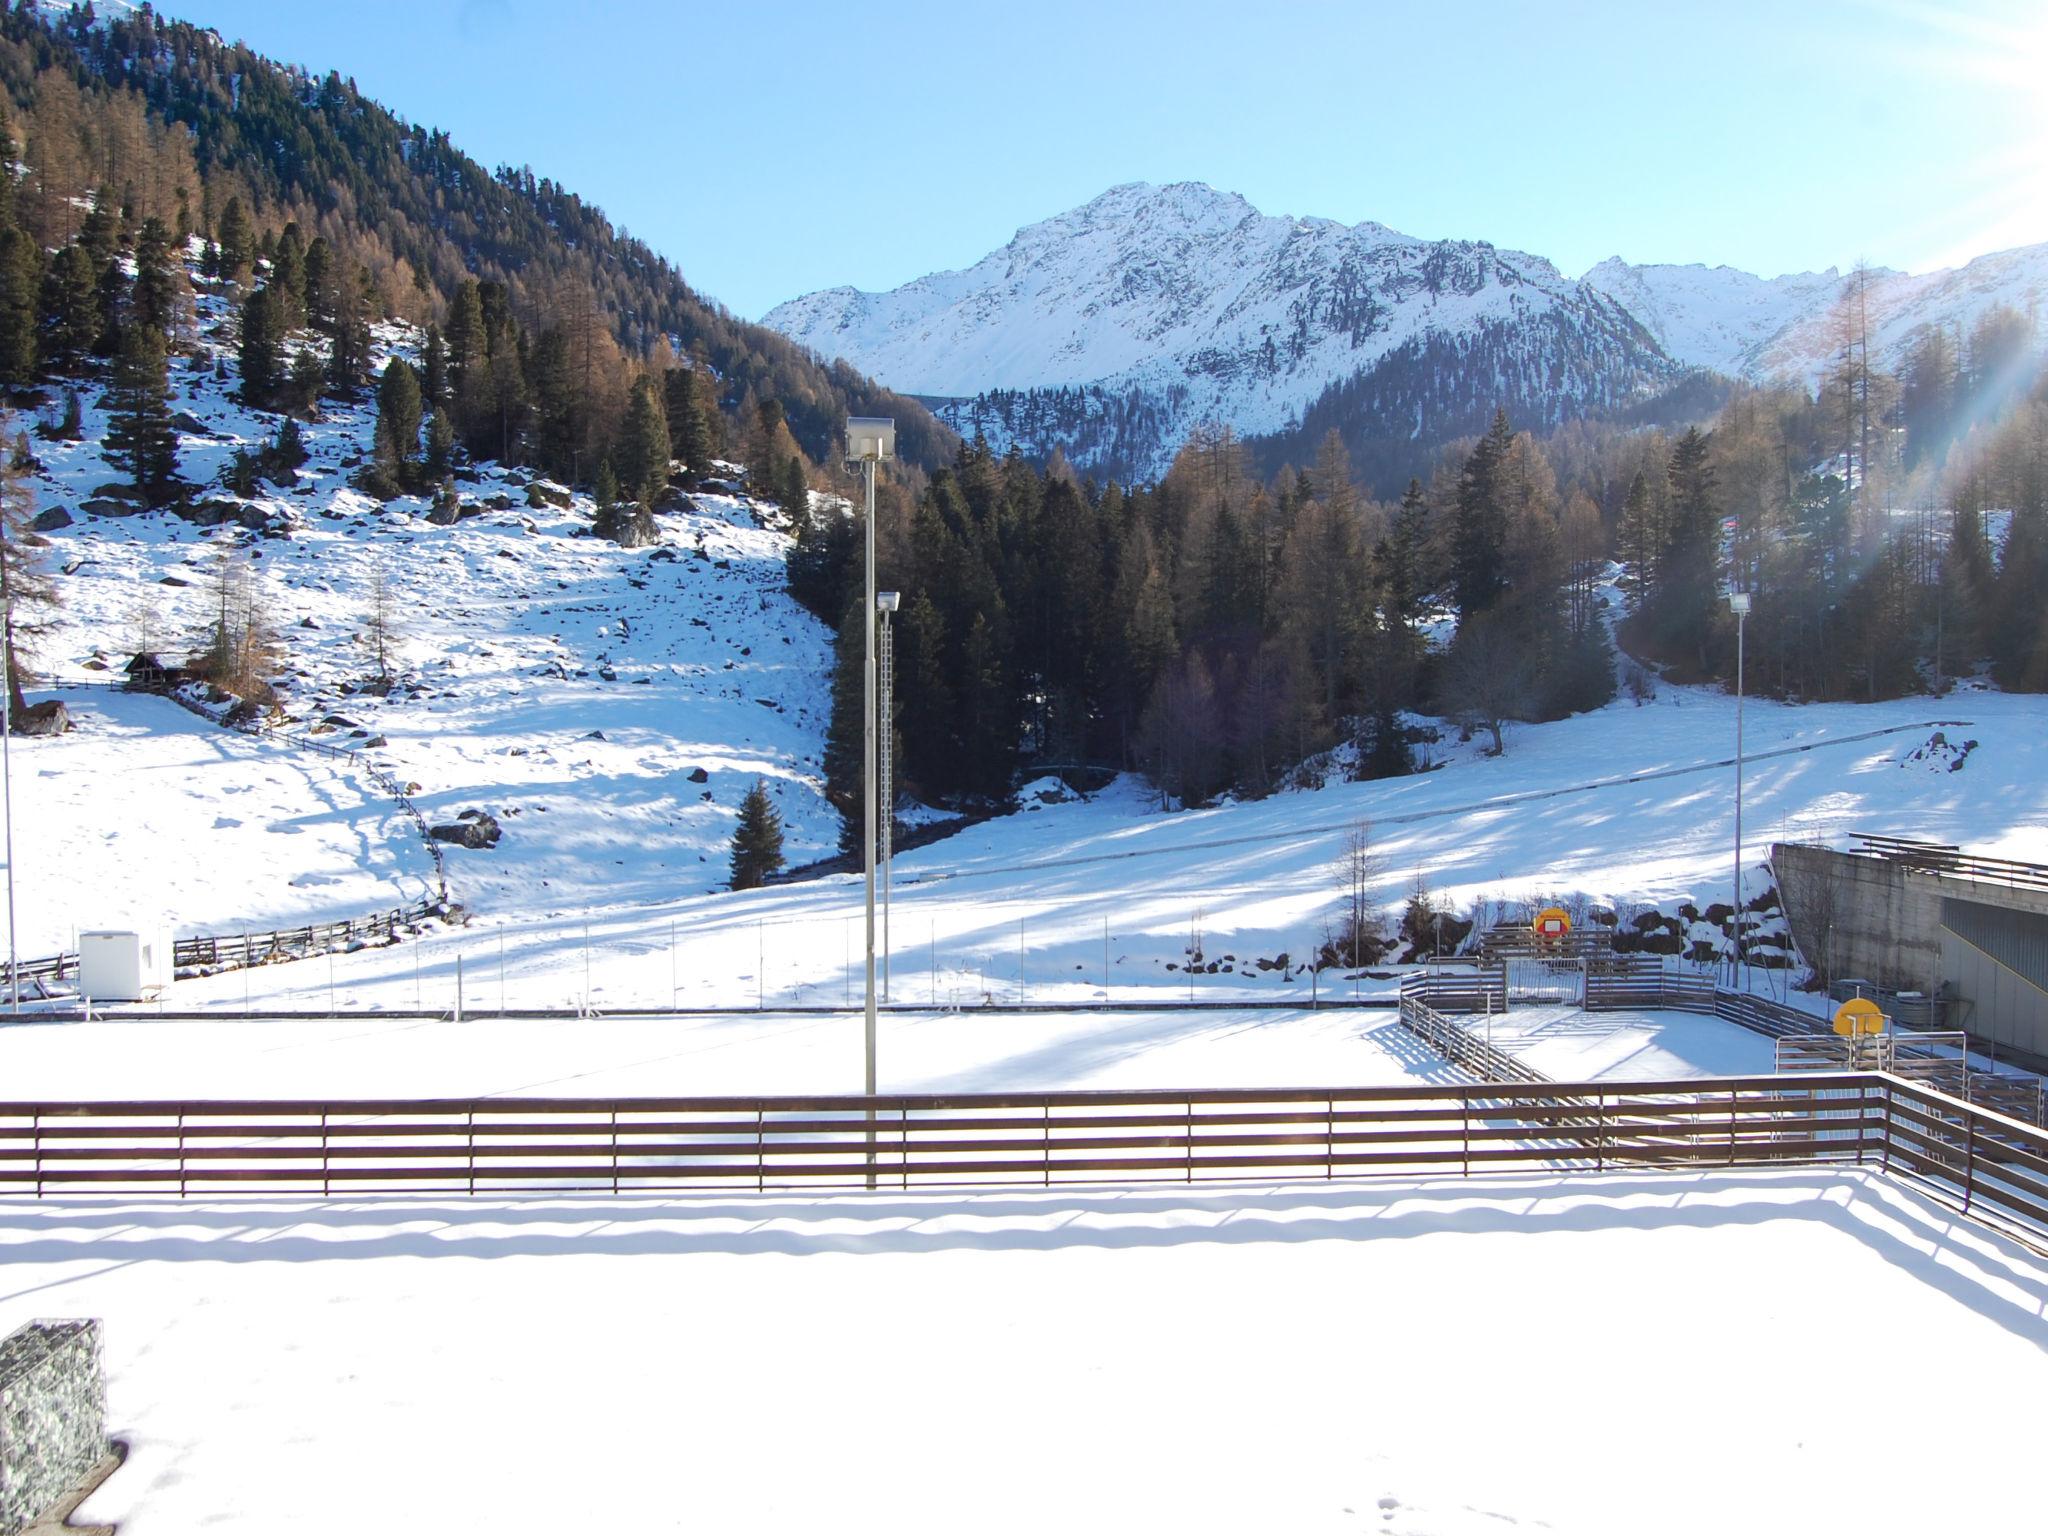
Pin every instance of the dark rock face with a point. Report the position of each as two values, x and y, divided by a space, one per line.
49 718
698 776
51 521
472 829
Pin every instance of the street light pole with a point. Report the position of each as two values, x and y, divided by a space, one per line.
869 440
886 602
7 791
1738 603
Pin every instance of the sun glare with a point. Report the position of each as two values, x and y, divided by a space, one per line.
1994 66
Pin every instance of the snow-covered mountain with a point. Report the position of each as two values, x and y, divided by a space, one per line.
1782 327
1113 328
1192 302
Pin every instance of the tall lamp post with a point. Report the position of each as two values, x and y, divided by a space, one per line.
870 440
7 785
1738 604
886 603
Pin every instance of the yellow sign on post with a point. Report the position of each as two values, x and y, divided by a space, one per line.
1552 923
1859 1016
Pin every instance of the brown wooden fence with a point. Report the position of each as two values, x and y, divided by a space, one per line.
492 1145
1463 1046
1989 1164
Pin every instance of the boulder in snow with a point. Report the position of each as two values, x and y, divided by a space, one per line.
472 829
49 718
51 521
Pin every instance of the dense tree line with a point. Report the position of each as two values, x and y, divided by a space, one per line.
1892 527
1215 631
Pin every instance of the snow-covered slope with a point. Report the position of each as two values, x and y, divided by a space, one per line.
1714 317
1191 297
1782 327
1129 319
572 688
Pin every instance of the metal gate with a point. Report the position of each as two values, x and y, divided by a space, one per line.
1533 980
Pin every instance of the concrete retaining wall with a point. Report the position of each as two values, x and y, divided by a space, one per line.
1880 921
53 1408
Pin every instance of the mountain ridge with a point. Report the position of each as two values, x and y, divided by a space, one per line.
1170 305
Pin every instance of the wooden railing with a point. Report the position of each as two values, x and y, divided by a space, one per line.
898 1141
1988 1164
1462 1046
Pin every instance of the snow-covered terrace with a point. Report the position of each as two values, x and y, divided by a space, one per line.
1760 1351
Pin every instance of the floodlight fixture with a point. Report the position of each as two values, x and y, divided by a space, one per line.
870 439
885 602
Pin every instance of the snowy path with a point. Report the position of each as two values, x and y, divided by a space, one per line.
1306 1359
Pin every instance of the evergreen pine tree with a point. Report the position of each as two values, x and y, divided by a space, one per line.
1479 531
140 438
643 445
795 493
348 330
398 420
110 306
606 494
262 349
288 450
1691 557
757 840
467 352
69 321
288 277
100 233
154 299
846 733
689 440
1639 541
434 369
237 242
440 445
21 282
26 592
325 279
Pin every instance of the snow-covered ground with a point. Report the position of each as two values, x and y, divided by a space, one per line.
1626 805
1574 1046
739 1053
146 815
568 686
1678 1354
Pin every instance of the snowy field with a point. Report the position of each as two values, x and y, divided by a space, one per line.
1574 1046
1305 1359
146 815
742 1053
1104 899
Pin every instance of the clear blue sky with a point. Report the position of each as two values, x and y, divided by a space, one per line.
770 149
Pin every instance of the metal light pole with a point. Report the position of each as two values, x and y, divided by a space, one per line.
869 440
886 602
1738 604
7 793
